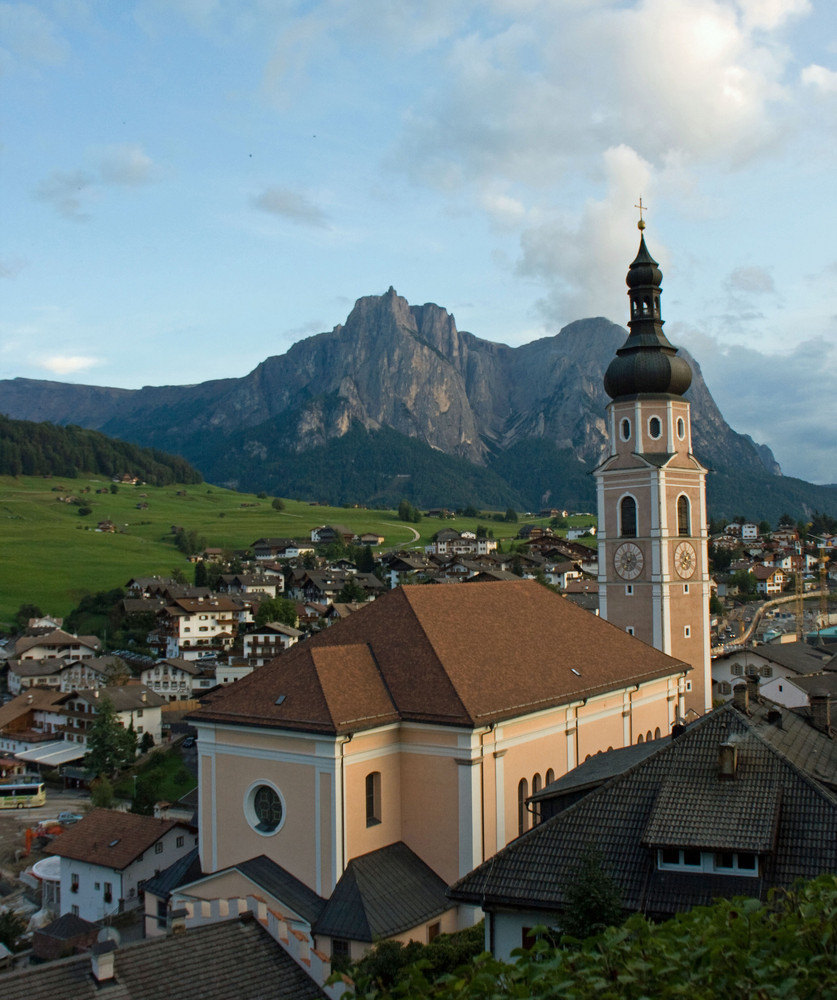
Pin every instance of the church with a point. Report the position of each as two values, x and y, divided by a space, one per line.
348 782
652 532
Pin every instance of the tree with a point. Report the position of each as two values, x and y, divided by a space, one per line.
352 593
276 609
783 946
201 575
745 582
278 503
558 522
24 613
591 897
12 929
101 793
110 746
147 742
511 516
407 512
179 576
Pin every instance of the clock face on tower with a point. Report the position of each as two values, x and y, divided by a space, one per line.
684 560
628 560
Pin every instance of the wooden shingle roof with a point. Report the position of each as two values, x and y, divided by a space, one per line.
234 958
381 894
675 798
464 656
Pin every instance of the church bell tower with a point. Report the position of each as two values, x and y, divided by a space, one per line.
653 563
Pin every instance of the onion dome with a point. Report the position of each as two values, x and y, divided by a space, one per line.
647 363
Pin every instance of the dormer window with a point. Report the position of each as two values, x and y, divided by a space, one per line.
720 862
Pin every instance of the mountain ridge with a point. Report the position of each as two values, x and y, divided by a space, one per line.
395 368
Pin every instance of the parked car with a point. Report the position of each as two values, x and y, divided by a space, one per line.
189 742
68 818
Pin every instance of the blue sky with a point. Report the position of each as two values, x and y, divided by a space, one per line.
190 186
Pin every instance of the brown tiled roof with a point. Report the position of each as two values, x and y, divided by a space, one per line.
57 638
110 838
32 698
457 655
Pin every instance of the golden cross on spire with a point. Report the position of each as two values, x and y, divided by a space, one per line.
642 208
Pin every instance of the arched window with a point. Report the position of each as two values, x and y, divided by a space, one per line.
657 733
550 776
648 736
627 517
522 813
684 515
640 738
536 806
373 798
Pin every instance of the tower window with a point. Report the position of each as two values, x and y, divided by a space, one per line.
687 631
681 428
629 590
684 516
625 429
655 428
627 517
373 798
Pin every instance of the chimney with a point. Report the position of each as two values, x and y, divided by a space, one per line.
177 921
102 957
741 698
753 686
820 702
727 760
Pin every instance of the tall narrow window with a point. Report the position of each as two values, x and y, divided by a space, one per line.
684 516
536 806
627 517
522 813
373 798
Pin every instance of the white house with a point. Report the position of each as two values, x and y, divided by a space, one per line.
269 641
107 856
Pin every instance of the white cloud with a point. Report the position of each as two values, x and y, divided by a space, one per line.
570 257
822 79
126 164
294 206
67 364
68 192
752 280
29 37
73 192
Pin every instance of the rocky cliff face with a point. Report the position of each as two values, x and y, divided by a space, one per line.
394 366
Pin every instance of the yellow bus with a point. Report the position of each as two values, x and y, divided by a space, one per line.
22 791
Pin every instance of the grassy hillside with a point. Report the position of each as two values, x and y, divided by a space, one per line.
51 556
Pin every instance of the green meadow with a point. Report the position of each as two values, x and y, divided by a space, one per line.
52 556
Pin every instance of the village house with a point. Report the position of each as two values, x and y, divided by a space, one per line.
281 548
769 581
135 707
108 856
470 696
269 641
54 644
449 541
772 663
668 829
195 627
